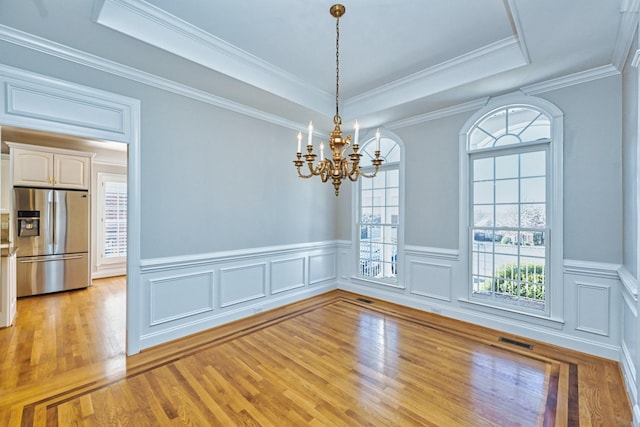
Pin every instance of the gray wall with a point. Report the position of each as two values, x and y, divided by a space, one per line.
630 165
592 174
592 169
211 180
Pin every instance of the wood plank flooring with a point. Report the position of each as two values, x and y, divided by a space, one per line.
333 360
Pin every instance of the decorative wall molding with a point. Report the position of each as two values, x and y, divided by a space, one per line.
438 114
635 62
37 102
492 59
431 280
571 80
593 302
70 54
629 282
146 22
437 253
242 283
185 295
157 264
593 269
190 294
628 25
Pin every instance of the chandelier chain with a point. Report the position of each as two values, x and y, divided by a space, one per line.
337 166
337 65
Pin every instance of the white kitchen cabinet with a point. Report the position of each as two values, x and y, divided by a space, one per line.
8 292
35 168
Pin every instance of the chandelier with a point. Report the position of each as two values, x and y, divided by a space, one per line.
336 166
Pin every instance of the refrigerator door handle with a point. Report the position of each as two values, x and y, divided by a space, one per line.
64 258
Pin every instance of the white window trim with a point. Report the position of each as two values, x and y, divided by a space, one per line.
102 261
355 212
555 294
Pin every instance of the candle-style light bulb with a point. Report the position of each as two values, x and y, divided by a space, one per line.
357 133
310 134
321 151
378 140
299 142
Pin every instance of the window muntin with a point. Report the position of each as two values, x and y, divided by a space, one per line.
509 126
378 216
509 230
509 164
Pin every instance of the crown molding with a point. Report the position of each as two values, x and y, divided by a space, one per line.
438 114
498 57
635 62
143 21
60 51
626 32
571 79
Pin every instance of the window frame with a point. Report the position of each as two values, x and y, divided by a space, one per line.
366 167
554 221
102 179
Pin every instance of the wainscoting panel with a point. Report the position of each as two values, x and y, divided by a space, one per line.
593 308
174 298
188 294
435 280
287 274
322 268
242 284
432 280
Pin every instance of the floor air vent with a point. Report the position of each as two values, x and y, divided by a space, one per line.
514 342
364 300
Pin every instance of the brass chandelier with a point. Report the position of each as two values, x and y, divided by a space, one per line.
336 166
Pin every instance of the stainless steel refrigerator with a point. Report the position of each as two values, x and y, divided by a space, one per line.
52 237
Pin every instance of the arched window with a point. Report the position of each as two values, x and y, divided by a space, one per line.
512 206
378 213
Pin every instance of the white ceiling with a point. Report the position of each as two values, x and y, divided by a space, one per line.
398 58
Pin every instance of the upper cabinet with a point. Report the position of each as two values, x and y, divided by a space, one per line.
39 168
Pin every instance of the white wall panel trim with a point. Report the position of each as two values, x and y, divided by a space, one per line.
629 282
438 253
243 283
509 325
159 264
42 103
593 302
571 80
176 288
217 318
590 268
436 280
58 50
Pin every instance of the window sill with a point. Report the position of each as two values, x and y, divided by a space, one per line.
362 281
512 314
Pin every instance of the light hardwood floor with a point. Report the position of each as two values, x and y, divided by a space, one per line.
332 360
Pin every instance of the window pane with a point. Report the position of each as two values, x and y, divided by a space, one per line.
379 180
533 164
393 178
392 197
379 197
483 169
533 190
533 216
506 215
483 192
507 166
483 215
507 191
540 129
